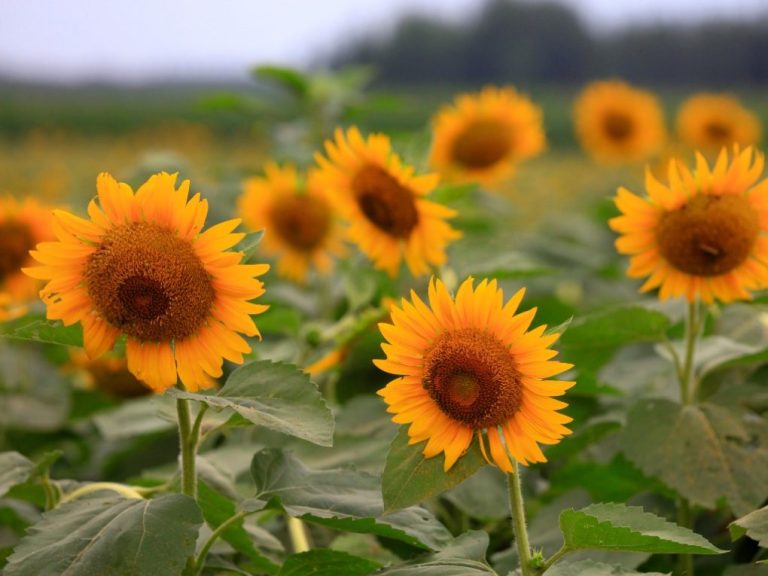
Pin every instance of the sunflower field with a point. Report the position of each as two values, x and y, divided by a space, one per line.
314 329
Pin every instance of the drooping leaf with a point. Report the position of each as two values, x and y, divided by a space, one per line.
275 395
592 568
464 556
612 526
591 340
217 509
754 525
704 452
288 78
326 563
409 478
341 499
14 469
110 535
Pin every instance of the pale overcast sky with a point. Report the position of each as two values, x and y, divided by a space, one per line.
74 40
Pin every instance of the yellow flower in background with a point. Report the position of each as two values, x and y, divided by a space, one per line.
108 374
481 137
469 367
298 219
22 225
384 203
701 235
617 123
711 121
142 267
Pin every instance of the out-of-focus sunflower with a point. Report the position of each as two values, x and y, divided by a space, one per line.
703 234
470 368
108 374
384 203
481 137
618 123
300 227
142 267
711 121
22 225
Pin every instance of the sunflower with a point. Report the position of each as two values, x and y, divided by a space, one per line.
711 121
618 123
384 202
299 221
702 235
469 368
108 374
22 225
142 267
482 136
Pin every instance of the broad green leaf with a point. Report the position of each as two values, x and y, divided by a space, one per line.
98 535
14 469
41 330
341 499
464 556
409 478
277 396
148 415
754 525
614 481
591 340
614 526
704 452
480 495
289 78
718 352
592 568
216 510
327 563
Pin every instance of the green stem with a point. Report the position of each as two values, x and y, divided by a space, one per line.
517 507
554 558
685 519
188 446
51 492
200 560
121 489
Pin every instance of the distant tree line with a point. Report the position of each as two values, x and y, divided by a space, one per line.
544 42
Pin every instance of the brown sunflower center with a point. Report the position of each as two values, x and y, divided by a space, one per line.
149 283
389 205
302 222
473 378
15 243
481 145
718 132
617 126
710 235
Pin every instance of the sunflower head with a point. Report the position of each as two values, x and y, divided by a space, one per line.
22 225
618 123
481 137
384 202
709 122
142 267
301 231
703 233
470 368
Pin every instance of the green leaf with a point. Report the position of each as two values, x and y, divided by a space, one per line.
704 452
99 535
216 510
614 526
277 396
14 469
479 495
591 340
754 525
249 244
341 499
288 78
464 556
140 416
38 330
326 563
409 478
592 568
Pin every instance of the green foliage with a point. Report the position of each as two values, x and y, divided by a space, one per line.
704 452
593 568
620 527
754 525
14 469
464 556
409 478
277 396
340 499
41 330
110 535
326 563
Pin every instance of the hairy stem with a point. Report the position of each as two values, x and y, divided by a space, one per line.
188 446
517 508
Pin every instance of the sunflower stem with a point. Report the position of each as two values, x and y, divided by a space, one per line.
199 562
188 446
517 507
685 519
